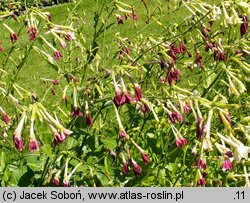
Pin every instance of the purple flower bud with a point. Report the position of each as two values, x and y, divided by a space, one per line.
181 142
186 108
201 182
198 59
182 48
88 117
135 17
13 37
57 55
229 154
227 165
33 145
145 108
118 99
68 37
56 181
58 138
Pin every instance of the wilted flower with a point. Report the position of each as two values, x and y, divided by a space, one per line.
227 116
32 33
198 59
227 165
57 54
136 168
181 142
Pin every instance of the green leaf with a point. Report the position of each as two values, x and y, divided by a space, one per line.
109 144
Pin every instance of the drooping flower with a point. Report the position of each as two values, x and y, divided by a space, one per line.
17 135
200 164
119 19
175 116
122 133
56 181
182 48
145 108
125 168
244 26
137 170
227 165
198 59
227 116
5 116
32 33
138 92
201 182
33 145
13 37
57 55
173 75
88 117
76 112
181 142
200 128
66 182
145 158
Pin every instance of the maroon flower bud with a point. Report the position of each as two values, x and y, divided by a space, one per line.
55 82
88 117
33 145
13 37
56 181
125 168
201 182
119 19
32 33
201 163
227 165
137 170
18 142
126 96
138 93
186 108
175 116
244 26
173 75
200 128
181 142
6 118
76 112
145 158
57 55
